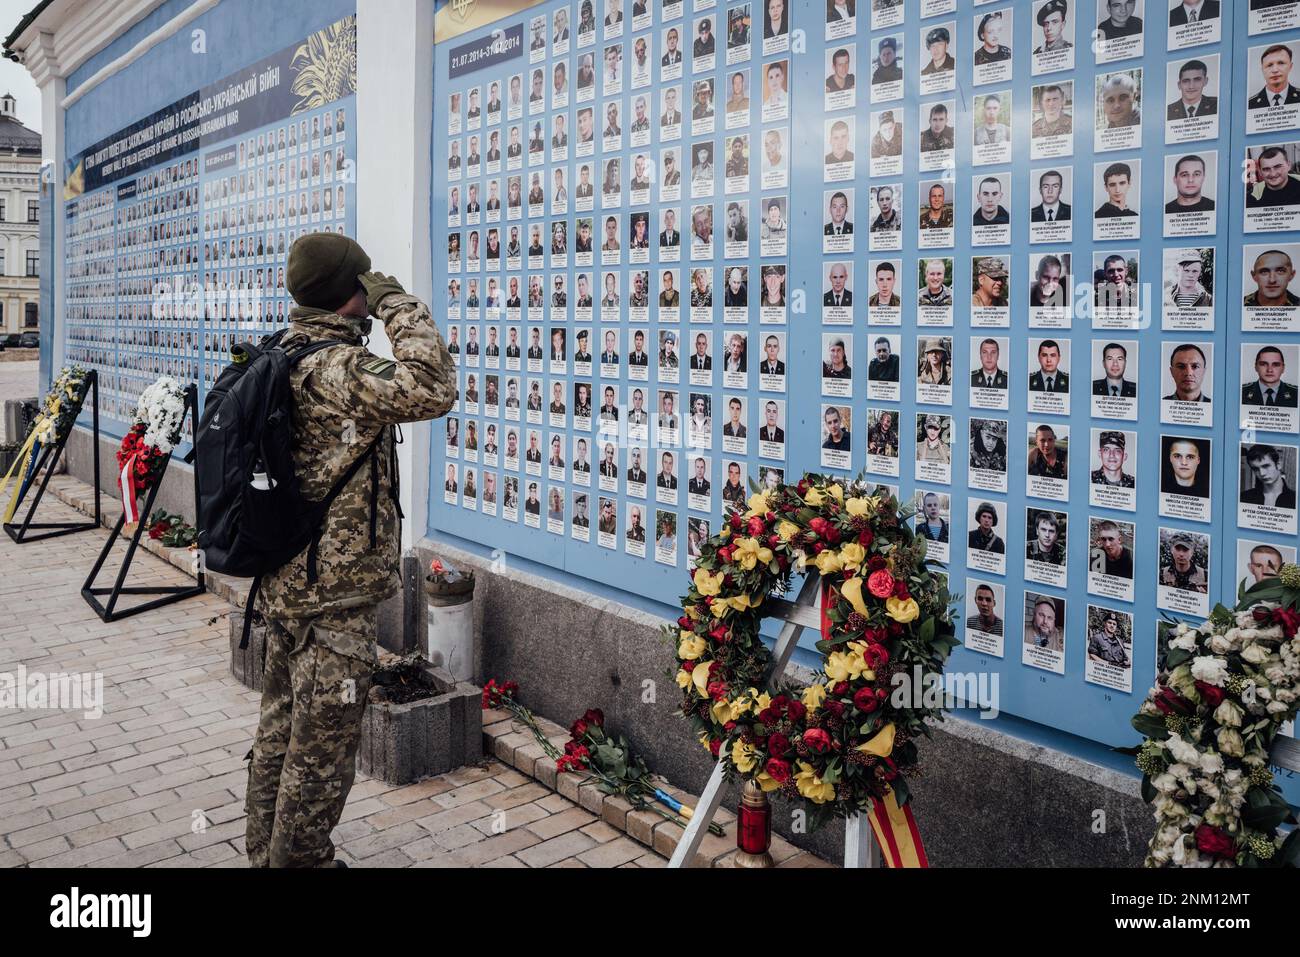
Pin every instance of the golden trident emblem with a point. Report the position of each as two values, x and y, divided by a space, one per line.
460 8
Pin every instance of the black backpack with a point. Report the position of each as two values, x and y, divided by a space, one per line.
251 513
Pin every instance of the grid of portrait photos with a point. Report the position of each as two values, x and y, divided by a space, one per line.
616 213
1006 247
1263 447
1024 201
170 268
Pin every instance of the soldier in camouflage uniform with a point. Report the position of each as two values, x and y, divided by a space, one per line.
321 627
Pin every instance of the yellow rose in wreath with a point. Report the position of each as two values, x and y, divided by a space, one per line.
811 786
902 610
742 756
814 498
787 530
691 646
860 506
836 492
706 584
828 562
852 555
749 553
757 505
813 696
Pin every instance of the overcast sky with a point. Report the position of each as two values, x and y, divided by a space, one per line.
14 78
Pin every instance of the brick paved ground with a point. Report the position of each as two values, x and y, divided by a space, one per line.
127 789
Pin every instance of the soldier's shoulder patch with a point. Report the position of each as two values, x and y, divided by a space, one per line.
378 366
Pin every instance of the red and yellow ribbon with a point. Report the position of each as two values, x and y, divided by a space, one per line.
893 824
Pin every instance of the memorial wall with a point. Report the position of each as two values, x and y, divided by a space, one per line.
176 225
1031 266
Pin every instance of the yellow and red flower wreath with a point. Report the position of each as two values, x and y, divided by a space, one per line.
843 742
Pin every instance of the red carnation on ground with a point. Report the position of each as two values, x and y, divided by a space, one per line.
900 589
866 537
876 562
819 526
778 744
719 633
795 711
756 526
715 746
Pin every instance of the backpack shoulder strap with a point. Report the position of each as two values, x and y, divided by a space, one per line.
322 507
302 352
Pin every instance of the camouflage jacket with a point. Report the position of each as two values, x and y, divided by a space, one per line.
344 399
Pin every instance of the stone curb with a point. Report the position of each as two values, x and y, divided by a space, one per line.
513 744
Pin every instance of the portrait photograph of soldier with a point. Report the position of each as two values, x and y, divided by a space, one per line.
1043 644
887 69
1110 557
1185 470
1269 397
886 143
1045 536
1119 19
1117 119
1267 486
884 364
991 130
1048 455
992 57
1188 382
933 437
936 216
1273 99
1272 186
1188 285
935 288
938 135
939 67
1183 577
932 513
1112 481
841 78
988 445
1259 562
984 609
882 435
1053 38
983 536
1110 648
1272 290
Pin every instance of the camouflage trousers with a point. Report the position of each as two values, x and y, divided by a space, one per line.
304 755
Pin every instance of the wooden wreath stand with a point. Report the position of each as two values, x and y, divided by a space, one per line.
860 848
167 594
48 461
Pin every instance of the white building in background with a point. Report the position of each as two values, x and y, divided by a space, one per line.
20 241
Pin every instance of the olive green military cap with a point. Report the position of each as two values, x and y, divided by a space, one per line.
323 269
